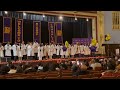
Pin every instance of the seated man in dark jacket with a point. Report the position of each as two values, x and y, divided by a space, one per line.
4 70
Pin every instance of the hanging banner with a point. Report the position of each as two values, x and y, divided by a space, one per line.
59 38
51 28
7 30
37 31
18 30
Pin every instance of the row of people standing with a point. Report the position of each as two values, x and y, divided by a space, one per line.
39 51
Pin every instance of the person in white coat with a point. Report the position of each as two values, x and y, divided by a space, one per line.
72 51
29 51
20 51
8 50
54 50
24 50
1 52
58 51
15 53
82 50
40 52
35 48
61 51
50 51
45 51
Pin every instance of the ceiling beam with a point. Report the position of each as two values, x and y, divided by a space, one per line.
64 13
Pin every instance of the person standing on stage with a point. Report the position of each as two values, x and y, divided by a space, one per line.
1 52
72 51
54 50
15 53
35 48
24 50
40 52
76 49
29 51
8 50
20 51
50 51
82 50
58 51
45 51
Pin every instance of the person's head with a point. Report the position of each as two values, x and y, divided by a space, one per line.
8 43
22 42
39 64
96 60
12 67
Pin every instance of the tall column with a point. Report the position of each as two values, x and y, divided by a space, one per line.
100 33
94 28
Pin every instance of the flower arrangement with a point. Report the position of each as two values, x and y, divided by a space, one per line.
93 42
107 37
66 44
93 45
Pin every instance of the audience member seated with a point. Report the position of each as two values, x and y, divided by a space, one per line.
40 67
118 67
74 69
64 66
51 66
57 67
111 64
4 70
96 64
12 69
82 69
19 68
45 67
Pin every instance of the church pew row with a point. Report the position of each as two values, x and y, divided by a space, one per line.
55 75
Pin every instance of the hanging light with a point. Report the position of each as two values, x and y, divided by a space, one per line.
76 18
43 15
6 12
60 17
87 19
24 14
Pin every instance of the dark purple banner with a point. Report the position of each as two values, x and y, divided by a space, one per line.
18 30
51 28
83 41
59 38
7 29
37 31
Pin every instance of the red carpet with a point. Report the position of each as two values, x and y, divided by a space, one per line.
55 60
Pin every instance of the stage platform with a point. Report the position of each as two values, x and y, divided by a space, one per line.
54 60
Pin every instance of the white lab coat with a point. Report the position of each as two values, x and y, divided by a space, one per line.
29 50
54 49
1 51
58 49
61 50
40 52
7 50
20 51
82 49
24 49
45 50
50 50
75 48
72 51
35 46
14 48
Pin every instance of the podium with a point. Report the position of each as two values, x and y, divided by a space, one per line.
110 49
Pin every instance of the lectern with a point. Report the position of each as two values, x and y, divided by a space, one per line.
112 49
